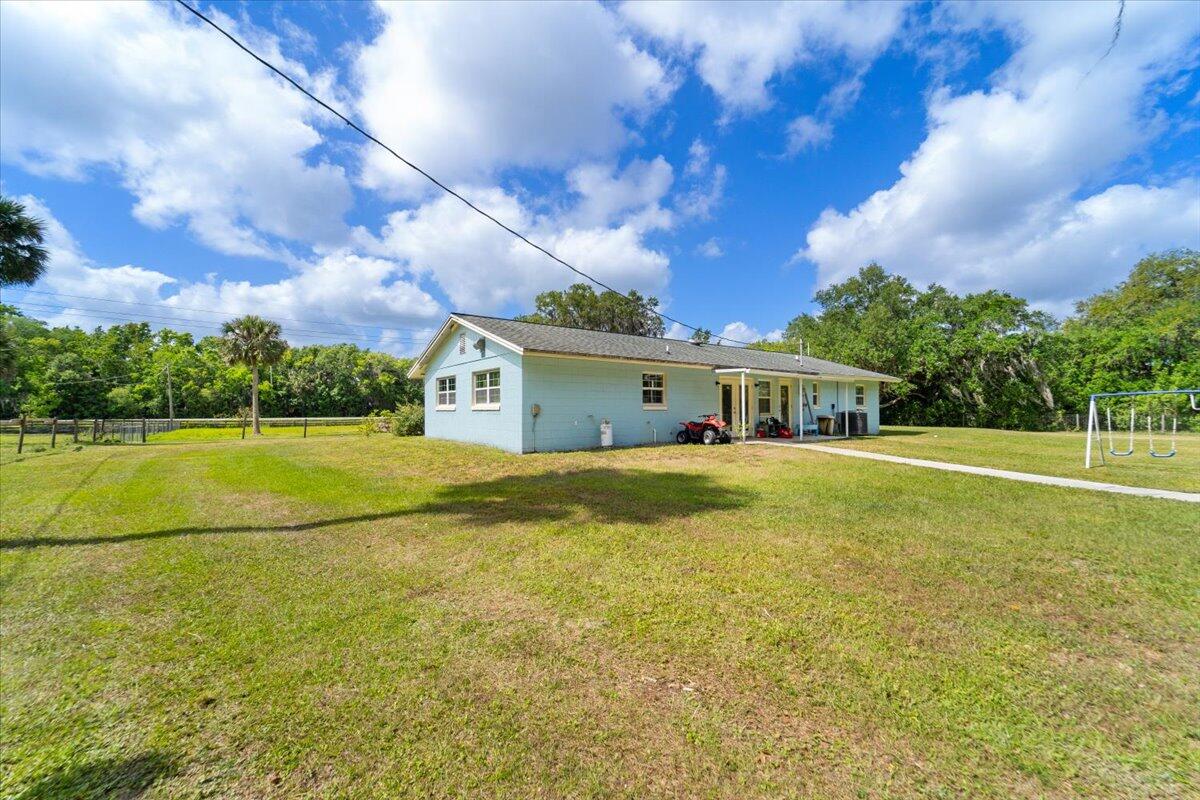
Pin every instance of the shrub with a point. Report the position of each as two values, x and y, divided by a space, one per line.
376 422
408 420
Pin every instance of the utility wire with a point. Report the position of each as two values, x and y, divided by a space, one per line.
214 311
118 315
429 177
127 378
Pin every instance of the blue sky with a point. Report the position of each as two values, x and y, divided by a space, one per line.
730 159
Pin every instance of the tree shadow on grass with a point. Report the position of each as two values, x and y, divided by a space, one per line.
894 433
601 495
124 778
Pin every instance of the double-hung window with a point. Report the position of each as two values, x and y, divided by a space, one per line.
654 390
446 393
860 395
486 396
764 398
816 395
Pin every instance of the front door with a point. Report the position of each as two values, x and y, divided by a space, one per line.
731 404
785 404
727 394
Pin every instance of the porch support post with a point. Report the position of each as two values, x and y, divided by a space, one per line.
803 400
846 414
742 384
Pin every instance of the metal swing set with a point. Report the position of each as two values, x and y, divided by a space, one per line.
1093 431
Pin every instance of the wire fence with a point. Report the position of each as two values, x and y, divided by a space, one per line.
28 433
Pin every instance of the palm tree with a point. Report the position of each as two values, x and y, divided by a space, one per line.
253 342
22 257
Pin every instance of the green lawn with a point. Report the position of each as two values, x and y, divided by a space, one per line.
287 431
1044 453
381 617
38 444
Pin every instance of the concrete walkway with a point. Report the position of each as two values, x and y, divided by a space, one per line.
1027 477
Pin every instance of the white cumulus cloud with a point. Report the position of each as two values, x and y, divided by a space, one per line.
199 133
368 301
739 332
738 48
482 268
466 89
1004 190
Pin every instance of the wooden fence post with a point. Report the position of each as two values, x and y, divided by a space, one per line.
143 430
306 427
21 435
243 427
95 424
75 431
53 432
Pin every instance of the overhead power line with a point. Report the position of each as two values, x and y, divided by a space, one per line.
354 126
116 315
224 313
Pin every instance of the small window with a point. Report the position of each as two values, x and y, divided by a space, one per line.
487 390
446 394
764 398
654 390
785 403
816 395
860 395
462 344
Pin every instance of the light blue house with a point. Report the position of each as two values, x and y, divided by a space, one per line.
527 387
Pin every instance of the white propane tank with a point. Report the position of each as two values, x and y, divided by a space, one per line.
605 433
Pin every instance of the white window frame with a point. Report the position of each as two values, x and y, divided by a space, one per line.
662 376
760 397
488 389
816 395
446 398
860 391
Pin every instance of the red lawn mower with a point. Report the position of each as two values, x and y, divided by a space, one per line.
709 429
772 428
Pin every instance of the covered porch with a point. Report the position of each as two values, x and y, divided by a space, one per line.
814 407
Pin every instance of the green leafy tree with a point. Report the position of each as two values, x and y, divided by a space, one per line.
579 306
1141 335
971 360
701 336
253 342
22 256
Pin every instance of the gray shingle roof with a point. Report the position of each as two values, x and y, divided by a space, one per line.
536 337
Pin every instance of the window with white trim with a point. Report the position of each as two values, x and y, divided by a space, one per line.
860 395
654 390
816 395
764 398
487 390
446 393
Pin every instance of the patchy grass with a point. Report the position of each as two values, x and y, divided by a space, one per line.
389 617
1058 454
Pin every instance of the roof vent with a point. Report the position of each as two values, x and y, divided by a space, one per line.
668 348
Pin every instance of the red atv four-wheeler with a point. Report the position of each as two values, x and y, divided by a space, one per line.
709 429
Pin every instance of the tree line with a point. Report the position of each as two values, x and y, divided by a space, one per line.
122 371
990 360
985 359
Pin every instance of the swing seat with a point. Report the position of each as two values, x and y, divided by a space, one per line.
1112 450
1171 454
